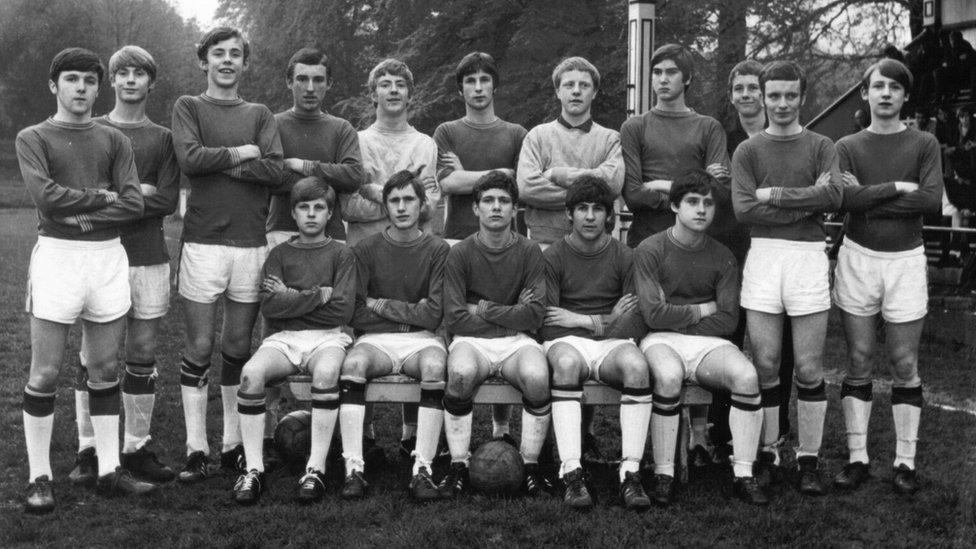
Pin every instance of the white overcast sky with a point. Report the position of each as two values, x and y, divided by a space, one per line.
203 10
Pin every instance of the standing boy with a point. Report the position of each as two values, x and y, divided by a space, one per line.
83 181
663 142
554 155
230 152
307 296
782 178
133 75
881 266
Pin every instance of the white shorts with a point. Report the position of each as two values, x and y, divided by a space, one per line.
299 345
496 350
786 275
208 270
71 279
593 351
150 291
279 237
400 347
691 349
895 284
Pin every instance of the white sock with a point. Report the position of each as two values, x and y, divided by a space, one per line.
906 410
458 432
745 422
664 441
534 431
138 416
635 416
323 425
500 419
429 422
811 409
252 433
86 436
272 405
232 427
103 398
566 418
37 435
351 431
857 414
195 418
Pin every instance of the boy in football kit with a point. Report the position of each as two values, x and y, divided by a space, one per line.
399 304
132 71
230 152
314 143
389 145
468 148
590 324
782 179
881 266
494 287
83 181
663 142
307 295
554 155
688 286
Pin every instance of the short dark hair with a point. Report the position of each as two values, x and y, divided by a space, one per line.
889 68
220 34
393 67
76 59
696 181
590 188
132 56
681 57
749 67
495 179
474 62
404 178
575 64
783 70
308 56
312 188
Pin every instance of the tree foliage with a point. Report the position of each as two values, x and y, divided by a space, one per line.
32 32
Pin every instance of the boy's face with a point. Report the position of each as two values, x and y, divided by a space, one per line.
589 220
403 208
132 84
695 211
308 86
783 101
885 96
311 216
76 91
391 94
495 210
745 95
667 80
478 90
576 92
225 62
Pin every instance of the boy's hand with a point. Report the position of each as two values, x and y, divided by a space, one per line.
274 284
626 304
325 294
249 152
296 165
557 316
147 189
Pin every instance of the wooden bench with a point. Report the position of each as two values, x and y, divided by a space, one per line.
400 389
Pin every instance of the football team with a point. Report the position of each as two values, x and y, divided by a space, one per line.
393 252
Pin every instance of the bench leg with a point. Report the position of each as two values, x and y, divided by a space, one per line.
684 434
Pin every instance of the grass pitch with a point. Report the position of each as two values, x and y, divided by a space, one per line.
942 514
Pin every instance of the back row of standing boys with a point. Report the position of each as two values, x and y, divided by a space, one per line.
643 320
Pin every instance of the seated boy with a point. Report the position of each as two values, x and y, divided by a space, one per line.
588 333
399 276
688 285
307 295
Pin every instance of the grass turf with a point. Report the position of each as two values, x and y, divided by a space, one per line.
940 515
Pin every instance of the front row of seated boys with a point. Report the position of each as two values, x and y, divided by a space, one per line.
588 298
